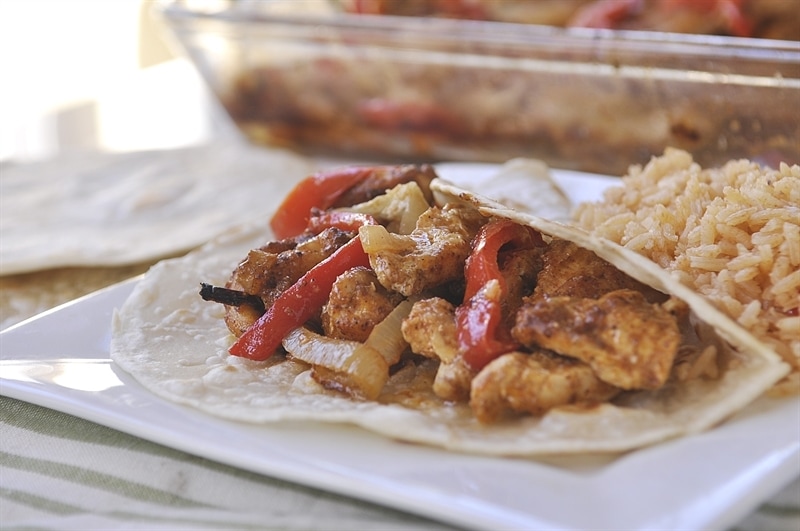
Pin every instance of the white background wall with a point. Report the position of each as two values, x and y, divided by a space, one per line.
57 56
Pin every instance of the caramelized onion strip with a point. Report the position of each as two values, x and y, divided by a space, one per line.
361 373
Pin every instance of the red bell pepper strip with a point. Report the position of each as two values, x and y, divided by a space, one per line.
298 304
305 297
606 14
320 190
482 264
481 337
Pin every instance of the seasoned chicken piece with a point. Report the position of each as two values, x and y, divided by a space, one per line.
534 383
430 330
628 342
356 304
383 178
239 318
278 246
520 269
572 271
267 273
453 380
433 254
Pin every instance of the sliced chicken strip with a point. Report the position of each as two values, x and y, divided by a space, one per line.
517 383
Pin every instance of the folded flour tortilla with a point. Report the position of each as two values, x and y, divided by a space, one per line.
114 209
175 345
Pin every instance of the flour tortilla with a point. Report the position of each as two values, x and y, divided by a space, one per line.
114 209
525 185
175 345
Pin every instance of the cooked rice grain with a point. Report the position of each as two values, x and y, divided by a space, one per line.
732 233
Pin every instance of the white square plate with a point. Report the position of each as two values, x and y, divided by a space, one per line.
60 360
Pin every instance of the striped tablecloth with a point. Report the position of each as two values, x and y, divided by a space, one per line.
61 472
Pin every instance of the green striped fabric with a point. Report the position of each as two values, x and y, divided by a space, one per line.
61 472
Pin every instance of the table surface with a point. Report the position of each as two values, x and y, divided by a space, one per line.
62 472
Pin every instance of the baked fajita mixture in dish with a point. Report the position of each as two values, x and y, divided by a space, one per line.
390 299
769 19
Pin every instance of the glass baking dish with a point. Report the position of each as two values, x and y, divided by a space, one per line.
428 89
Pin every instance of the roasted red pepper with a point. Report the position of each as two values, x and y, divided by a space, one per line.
320 190
393 115
305 297
610 14
606 14
481 336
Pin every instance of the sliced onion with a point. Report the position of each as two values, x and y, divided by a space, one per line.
359 369
386 337
398 208
359 372
375 238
